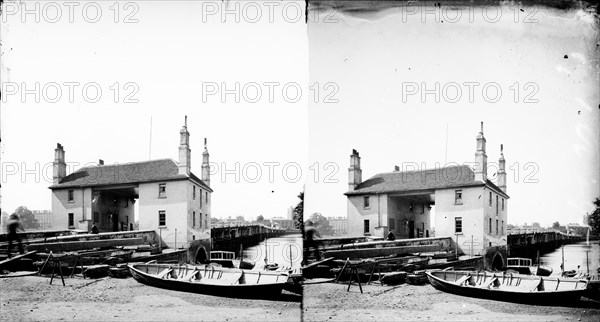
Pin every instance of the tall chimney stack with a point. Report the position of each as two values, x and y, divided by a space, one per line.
205 165
184 150
502 170
354 172
59 167
480 158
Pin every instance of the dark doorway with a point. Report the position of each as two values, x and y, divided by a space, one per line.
411 229
201 257
497 262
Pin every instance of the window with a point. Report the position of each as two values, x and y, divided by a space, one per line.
366 226
206 197
193 219
502 228
200 220
71 220
458 225
490 226
490 198
162 218
194 192
162 190
496 226
392 223
458 197
422 208
206 221
71 196
497 204
502 204
200 198
366 202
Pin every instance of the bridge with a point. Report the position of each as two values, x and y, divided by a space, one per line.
526 243
230 238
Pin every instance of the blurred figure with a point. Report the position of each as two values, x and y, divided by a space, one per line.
94 229
391 236
14 225
310 233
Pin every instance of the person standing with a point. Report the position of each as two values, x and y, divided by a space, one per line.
94 228
14 225
310 233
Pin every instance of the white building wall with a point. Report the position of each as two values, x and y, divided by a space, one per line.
471 211
376 213
176 206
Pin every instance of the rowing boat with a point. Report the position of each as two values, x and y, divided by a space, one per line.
207 279
509 287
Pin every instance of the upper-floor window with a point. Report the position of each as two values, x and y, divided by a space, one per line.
200 198
458 197
497 204
458 225
502 204
193 219
194 192
366 202
496 226
490 226
200 220
162 190
71 196
206 197
162 218
490 198
502 227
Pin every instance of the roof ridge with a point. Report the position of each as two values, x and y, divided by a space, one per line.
124 163
423 170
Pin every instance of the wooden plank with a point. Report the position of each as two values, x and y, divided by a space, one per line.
6 261
83 245
328 259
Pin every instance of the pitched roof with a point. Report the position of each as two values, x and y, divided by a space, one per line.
126 173
439 178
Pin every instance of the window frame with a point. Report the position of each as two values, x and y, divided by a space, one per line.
366 202
458 197
71 195
162 190
457 227
162 222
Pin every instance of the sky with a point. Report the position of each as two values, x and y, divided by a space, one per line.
539 68
155 62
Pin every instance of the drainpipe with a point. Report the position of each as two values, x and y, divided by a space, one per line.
379 211
83 203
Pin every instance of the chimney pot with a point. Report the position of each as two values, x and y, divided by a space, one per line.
100 162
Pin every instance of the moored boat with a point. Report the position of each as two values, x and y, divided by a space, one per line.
524 266
213 280
509 287
227 260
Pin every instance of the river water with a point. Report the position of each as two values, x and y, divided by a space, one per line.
285 251
575 255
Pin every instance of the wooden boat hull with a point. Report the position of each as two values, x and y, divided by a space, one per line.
560 297
259 291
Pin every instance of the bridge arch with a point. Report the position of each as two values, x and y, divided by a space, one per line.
497 261
201 256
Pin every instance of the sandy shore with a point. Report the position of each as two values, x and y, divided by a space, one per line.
331 302
31 298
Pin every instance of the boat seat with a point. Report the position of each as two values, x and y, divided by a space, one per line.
189 275
463 279
492 282
229 279
164 273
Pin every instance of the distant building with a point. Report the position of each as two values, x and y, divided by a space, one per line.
44 218
339 225
577 229
466 203
173 201
282 223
